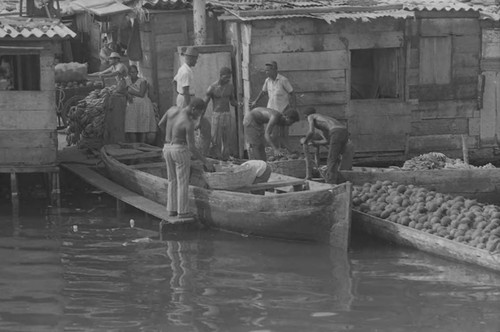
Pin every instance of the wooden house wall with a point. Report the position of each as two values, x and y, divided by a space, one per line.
315 56
436 106
160 37
28 118
489 85
444 85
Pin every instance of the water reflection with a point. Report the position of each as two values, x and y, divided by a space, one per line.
108 277
248 280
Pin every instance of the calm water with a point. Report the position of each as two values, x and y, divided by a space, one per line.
109 277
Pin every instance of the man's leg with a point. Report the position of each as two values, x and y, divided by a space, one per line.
171 180
183 167
338 139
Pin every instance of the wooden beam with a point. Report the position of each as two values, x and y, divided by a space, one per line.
117 191
271 185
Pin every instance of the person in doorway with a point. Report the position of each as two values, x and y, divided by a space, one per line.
221 93
178 124
259 124
279 92
140 119
335 135
184 86
184 79
108 47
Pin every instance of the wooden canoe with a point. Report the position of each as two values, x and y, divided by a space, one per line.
480 184
410 237
321 212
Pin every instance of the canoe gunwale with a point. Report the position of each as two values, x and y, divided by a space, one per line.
410 237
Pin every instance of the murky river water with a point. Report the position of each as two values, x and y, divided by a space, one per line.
109 277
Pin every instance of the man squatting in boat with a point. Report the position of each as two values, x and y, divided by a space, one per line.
179 123
335 134
259 124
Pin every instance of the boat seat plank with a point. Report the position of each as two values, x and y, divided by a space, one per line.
138 155
271 185
149 165
121 193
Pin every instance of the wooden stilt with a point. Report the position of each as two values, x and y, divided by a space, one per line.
55 191
14 194
120 207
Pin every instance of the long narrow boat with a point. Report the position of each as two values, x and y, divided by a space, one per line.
410 237
480 184
318 212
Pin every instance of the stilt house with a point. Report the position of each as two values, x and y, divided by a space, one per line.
28 137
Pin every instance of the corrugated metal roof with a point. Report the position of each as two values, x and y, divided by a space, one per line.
249 10
22 27
365 16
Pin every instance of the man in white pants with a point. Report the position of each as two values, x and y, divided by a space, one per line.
179 145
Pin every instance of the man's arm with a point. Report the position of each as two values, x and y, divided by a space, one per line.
232 98
193 149
259 96
187 96
273 122
310 132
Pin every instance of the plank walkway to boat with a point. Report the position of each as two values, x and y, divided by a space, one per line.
123 194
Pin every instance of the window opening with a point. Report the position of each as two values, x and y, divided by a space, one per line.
375 73
20 72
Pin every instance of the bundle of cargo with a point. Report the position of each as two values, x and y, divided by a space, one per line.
291 164
86 120
70 72
436 160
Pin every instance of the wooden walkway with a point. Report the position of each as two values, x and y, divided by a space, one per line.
120 193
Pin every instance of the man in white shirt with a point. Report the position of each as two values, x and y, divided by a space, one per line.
184 79
278 89
280 94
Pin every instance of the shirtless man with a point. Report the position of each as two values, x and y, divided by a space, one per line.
259 124
334 132
178 124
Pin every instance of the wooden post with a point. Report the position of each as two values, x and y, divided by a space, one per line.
307 157
199 22
14 194
465 150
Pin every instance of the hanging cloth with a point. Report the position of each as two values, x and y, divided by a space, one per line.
134 50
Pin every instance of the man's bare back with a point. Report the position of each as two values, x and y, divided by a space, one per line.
178 124
325 123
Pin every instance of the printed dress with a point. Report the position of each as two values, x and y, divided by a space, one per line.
140 114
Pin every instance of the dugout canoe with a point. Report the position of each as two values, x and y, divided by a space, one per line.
317 212
481 184
432 244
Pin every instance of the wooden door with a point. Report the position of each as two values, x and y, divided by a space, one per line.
211 59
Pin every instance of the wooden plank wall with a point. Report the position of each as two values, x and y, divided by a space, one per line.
448 108
28 126
489 88
315 56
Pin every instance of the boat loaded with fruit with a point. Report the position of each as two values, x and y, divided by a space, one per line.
437 204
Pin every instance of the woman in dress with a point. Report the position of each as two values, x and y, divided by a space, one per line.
140 118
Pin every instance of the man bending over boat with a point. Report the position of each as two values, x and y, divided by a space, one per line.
335 135
259 124
179 123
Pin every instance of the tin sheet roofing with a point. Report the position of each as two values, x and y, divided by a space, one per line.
331 10
22 27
